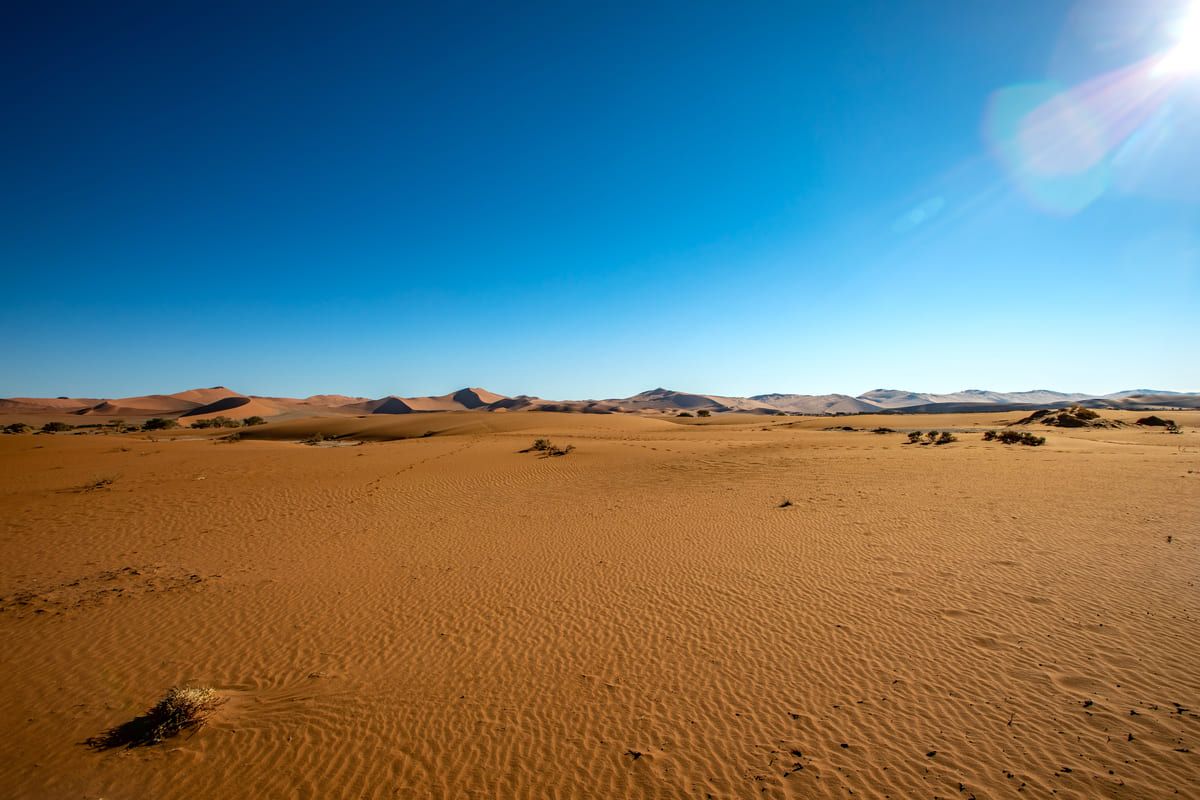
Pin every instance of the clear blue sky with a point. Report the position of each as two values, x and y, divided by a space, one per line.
588 199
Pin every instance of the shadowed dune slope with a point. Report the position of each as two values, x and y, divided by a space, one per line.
205 396
236 407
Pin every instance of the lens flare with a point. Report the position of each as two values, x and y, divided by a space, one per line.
1184 57
1058 144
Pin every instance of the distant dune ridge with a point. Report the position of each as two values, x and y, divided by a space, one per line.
194 404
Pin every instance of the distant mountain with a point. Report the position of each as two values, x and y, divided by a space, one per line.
670 400
218 400
896 398
816 403
463 400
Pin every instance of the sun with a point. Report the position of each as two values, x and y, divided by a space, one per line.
1184 55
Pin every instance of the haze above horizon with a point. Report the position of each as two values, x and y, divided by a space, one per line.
587 201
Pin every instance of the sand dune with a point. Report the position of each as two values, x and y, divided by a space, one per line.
205 396
236 407
388 427
464 399
654 401
140 406
447 616
332 400
41 405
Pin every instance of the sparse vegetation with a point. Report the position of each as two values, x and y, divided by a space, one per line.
684 414
925 438
548 448
217 422
704 412
882 430
181 709
18 427
1073 417
57 427
989 436
97 485
317 438
254 420
159 424
1020 437
236 436
787 503
1158 422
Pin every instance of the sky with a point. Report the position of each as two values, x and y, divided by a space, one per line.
586 200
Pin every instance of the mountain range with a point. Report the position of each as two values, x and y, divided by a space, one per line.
195 404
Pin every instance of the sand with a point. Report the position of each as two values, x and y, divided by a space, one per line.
445 616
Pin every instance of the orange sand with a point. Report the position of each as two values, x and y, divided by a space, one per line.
444 616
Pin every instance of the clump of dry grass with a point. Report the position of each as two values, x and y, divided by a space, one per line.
548 449
182 708
98 484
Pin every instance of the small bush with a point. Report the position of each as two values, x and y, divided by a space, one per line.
159 424
56 427
254 420
181 709
317 438
236 436
548 448
946 438
684 414
914 437
882 430
217 422
1014 437
18 427
96 485
931 436
704 412
989 436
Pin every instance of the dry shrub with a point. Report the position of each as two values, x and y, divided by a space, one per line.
547 448
98 484
181 709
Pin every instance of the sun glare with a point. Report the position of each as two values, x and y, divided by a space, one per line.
1184 56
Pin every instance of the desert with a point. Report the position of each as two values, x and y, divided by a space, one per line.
600 401
418 605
